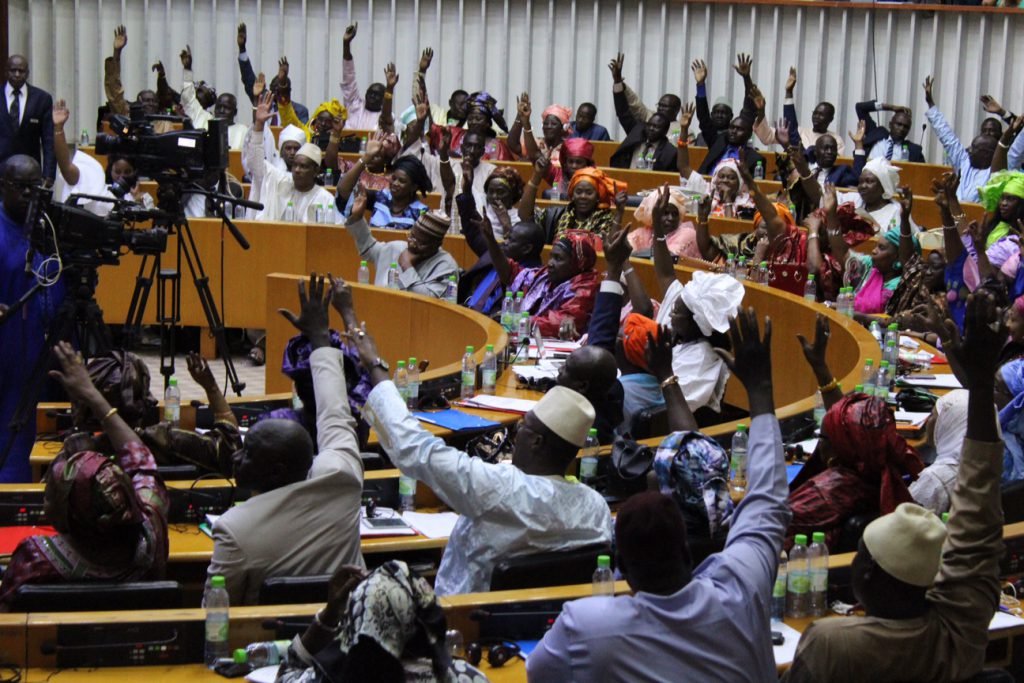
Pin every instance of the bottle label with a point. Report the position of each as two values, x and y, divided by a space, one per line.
217 627
406 486
172 413
799 582
819 580
779 590
489 378
588 468
468 378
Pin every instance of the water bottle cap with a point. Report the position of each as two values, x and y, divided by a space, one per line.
217 581
869 361
519 295
401 363
394 264
469 349
240 656
604 562
741 428
412 361
945 517
592 432
818 536
451 278
764 264
884 364
508 295
362 264
859 388
800 539
810 278
173 381
289 204
490 347
894 326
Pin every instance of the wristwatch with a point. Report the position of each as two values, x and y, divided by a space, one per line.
382 364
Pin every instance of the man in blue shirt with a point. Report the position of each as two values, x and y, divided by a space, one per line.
584 126
709 623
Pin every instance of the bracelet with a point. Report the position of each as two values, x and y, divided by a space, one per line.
949 227
806 177
527 130
627 271
1000 143
59 132
682 143
335 139
959 217
319 622
673 380
812 235
831 386
110 413
661 238
387 96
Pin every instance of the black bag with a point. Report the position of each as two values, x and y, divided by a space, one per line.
630 463
915 399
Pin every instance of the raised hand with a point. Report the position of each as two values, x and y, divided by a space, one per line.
814 353
186 58
73 374
616 67
700 71
1012 130
264 107
60 114
158 69
120 38
200 370
977 351
241 37
364 344
658 353
829 199
620 201
541 166
342 583
422 107
312 320
617 249
259 85
446 140
759 101
704 210
751 360
341 298
350 32
359 201
939 190
483 224
425 59
390 76
991 105
906 200
791 80
686 115
744 63
858 136
524 109
658 212
782 133
928 83
338 126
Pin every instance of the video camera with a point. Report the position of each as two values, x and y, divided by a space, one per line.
185 155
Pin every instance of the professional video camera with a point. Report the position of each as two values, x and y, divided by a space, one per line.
185 155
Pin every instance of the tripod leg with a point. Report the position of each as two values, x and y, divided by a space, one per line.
202 283
132 332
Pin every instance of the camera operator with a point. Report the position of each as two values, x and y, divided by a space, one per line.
22 334
78 173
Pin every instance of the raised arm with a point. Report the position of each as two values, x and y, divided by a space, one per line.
708 250
350 94
386 121
776 226
808 183
814 354
200 117
813 223
664 265
200 372
521 126
658 355
1000 159
683 146
254 146
333 142
498 259
352 175
953 219
112 85
707 128
245 69
907 251
60 144
527 204
950 142
622 112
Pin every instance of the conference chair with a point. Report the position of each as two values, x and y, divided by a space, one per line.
88 596
294 590
556 568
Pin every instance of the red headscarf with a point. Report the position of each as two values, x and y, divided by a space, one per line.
862 433
784 213
581 248
606 187
855 226
579 147
634 338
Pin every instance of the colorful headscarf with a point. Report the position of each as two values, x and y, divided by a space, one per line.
606 187
1000 183
390 146
295 365
694 470
644 214
743 198
560 112
783 212
416 171
1011 421
892 236
485 101
123 379
862 434
333 107
510 177
578 147
635 329
90 496
887 174
580 246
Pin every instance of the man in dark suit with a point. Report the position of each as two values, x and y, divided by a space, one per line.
890 143
646 146
826 151
733 145
28 127
277 84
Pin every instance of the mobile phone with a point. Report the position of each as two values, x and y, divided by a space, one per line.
778 638
386 522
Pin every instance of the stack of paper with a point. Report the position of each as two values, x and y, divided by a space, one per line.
432 524
499 403
948 381
913 419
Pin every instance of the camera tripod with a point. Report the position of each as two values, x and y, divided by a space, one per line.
168 293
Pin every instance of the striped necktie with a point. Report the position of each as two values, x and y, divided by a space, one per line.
16 109
888 149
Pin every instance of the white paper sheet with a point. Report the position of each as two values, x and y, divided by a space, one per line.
501 403
266 674
1001 620
916 419
947 381
784 653
432 524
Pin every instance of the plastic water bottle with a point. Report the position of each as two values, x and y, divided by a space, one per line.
876 332
798 579
328 177
882 380
779 590
216 604
362 144
289 213
468 374
402 381
811 289
759 171
83 139
738 464
741 268
406 493
363 275
892 355
318 213
859 389
507 305
489 371
451 291
945 518
523 331
172 402
892 334
413 368
817 558
819 409
867 377
730 265
604 580
764 276
555 194
588 463
393 275
266 653
519 309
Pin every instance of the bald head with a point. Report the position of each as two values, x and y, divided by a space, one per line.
21 175
590 370
276 453
17 71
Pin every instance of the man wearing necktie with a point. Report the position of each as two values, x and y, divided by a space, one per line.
28 127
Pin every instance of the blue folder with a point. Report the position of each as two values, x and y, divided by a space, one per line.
455 420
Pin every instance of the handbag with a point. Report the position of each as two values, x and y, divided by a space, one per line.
630 463
789 277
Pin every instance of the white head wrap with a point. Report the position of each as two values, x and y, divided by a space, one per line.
291 133
887 174
950 426
713 299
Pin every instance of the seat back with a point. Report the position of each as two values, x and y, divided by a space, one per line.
88 596
294 590
1013 502
556 568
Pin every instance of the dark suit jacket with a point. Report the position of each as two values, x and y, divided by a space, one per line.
664 153
708 133
34 137
717 150
873 133
602 332
249 79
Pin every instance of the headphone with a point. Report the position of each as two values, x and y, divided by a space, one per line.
498 654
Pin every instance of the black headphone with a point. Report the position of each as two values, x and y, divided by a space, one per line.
498 654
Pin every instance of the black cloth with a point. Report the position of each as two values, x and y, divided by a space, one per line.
664 152
603 332
249 79
873 133
34 137
717 150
